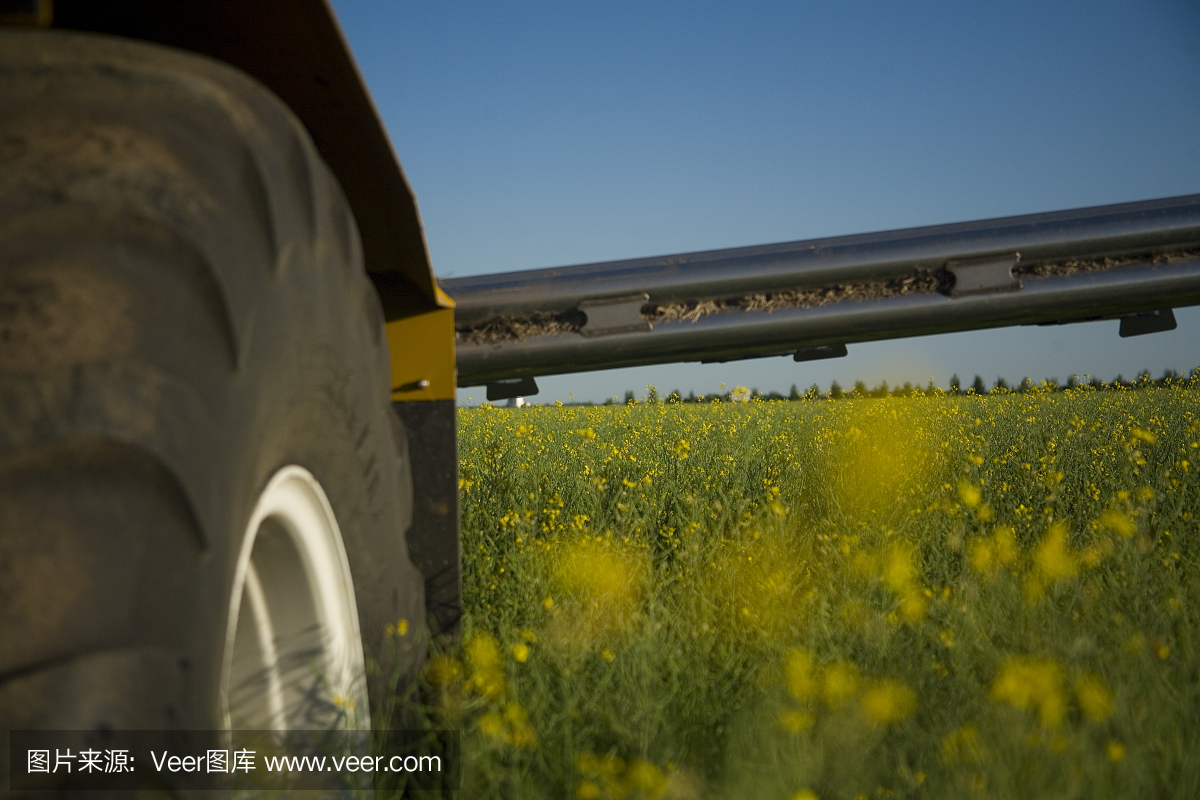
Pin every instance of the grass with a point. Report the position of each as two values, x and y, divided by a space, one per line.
905 597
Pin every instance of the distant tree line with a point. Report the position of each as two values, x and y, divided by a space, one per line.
978 387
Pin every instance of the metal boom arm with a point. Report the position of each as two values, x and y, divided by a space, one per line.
811 298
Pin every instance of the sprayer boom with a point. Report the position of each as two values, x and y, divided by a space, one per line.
809 299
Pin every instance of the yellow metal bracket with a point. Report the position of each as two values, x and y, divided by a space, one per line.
422 348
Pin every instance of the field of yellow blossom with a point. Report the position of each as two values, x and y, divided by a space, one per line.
945 596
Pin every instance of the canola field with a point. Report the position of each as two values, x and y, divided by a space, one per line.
948 596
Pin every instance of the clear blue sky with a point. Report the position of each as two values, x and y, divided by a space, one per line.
541 134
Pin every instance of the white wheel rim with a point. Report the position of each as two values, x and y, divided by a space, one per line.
293 654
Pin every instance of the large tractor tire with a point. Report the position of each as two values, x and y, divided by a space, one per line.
204 492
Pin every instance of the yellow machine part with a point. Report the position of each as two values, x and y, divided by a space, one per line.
422 347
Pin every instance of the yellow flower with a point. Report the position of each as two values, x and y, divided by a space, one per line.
487 665
1052 557
519 732
587 790
981 555
647 779
608 655
1116 520
899 574
969 493
1095 699
882 454
913 606
492 725
804 794
482 651
1144 435
898 570
601 573
1034 684
888 701
801 677
520 652
793 721
1006 544
548 603
1115 751
443 670
841 683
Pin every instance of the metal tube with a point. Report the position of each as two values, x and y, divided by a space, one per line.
742 334
1105 232
1078 233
